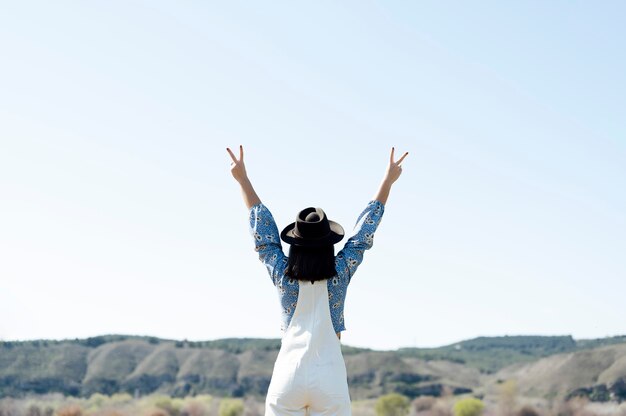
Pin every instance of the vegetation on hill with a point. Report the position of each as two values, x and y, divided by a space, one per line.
232 345
597 374
141 365
490 354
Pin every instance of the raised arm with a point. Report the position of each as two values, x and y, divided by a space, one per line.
238 169
351 255
393 173
262 225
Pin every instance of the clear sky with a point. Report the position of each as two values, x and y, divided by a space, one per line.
118 212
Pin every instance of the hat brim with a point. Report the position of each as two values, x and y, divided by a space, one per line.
336 234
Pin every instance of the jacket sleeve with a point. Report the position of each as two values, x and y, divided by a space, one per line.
267 241
351 255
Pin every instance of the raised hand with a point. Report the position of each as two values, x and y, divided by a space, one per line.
237 167
394 170
393 173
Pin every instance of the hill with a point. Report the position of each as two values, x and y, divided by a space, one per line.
490 354
241 367
598 374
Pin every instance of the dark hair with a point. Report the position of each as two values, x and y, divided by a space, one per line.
311 263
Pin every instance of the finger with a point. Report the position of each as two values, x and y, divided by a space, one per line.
402 158
240 152
391 157
232 156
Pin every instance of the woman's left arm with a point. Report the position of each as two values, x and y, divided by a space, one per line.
351 255
238 169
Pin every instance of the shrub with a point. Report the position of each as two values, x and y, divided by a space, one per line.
34 410
177 405
194 408
70 410
507 397
253 408
167 404
198 405
158 412
393 404
119 398
469 407
231 407
527 411
98 399
441 408
423 403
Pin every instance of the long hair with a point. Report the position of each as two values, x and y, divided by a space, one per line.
311 263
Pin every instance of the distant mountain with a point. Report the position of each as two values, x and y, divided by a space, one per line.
489 354
240 367
598 373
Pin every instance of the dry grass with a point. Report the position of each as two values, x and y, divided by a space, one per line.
205 405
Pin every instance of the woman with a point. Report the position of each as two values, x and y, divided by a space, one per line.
309 375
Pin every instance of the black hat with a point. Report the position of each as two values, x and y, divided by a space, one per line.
312 228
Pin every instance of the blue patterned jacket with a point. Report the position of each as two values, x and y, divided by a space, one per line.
268 245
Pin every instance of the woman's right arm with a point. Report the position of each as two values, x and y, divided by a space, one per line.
267 241
262 226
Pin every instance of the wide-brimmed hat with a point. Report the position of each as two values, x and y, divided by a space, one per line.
312 228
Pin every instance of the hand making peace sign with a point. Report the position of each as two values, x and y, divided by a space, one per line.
238 168
394 169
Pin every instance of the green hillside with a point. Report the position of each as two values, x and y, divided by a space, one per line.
490 354
242 367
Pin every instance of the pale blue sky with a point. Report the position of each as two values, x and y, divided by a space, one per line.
118 213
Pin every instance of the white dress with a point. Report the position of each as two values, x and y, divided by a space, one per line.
309 376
